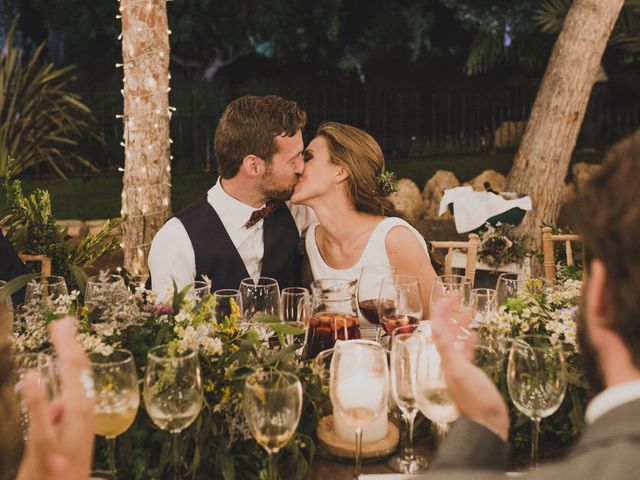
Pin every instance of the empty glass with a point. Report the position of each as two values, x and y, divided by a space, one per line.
41 288
483 303
103 286
226 300
404 360
536 380
259 295
508 285
445 285
272 404
296 305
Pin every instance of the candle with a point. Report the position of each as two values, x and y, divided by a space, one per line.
361 392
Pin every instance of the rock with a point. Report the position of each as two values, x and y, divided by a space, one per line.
582 173
433 191
509 134
497 181
408 200
74 227
568 192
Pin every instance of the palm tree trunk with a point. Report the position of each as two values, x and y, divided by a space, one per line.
542 160
147 171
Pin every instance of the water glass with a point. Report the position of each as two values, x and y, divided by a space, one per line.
102 288
483 303
226 300
259 296
41 288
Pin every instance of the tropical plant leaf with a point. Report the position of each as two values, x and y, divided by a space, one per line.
15 284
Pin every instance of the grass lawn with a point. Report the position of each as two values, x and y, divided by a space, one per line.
99 197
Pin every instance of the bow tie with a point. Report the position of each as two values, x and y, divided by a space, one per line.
261 214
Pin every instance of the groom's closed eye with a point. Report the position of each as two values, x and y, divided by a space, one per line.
307 155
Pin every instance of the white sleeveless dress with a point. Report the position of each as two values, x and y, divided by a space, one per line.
374 253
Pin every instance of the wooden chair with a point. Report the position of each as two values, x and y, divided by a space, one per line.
471 246
43 260
549 257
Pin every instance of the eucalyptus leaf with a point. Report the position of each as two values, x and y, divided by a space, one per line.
15 284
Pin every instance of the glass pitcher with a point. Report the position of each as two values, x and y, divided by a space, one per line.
334 314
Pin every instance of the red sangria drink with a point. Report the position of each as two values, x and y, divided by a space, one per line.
327 327
401 323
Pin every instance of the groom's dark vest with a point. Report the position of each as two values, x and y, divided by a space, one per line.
217 257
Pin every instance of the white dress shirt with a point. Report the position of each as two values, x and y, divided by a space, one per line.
172 257
611 398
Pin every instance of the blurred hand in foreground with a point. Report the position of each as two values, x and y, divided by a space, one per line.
470 388
61 432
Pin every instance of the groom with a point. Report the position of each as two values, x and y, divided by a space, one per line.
245 227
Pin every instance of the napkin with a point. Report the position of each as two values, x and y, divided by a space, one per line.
472 209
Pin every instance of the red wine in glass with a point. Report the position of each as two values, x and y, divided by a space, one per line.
327 327
369 309
402 323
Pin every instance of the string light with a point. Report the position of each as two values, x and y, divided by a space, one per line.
146 87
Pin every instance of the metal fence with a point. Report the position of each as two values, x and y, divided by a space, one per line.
407 122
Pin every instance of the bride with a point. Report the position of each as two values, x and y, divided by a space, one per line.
357 223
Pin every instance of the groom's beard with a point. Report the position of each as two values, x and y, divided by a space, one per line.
588 355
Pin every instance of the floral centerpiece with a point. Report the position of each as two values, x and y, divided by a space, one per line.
218 444
500 246
545 310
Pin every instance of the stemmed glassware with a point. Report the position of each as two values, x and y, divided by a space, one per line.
430 388
445 285
42 365
296 311
359 387
172 392
6 316
399 303
40 288
404 360
259 295
371 277
536 380
117 397
272 405
225 300
98 285
508 285
199 290
483 303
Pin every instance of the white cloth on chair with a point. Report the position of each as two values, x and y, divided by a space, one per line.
472 209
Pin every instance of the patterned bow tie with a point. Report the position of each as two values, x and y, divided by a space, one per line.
264 212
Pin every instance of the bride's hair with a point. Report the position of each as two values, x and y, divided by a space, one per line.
361 156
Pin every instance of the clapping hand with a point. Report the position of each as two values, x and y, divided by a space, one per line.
61 433
469 387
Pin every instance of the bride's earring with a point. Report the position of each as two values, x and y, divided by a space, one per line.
335 186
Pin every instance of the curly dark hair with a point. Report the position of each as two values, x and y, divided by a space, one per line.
249 126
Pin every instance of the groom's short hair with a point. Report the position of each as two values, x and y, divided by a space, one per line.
249 125
607 213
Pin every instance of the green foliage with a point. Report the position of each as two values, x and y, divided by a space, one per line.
32 228
499 245
41 119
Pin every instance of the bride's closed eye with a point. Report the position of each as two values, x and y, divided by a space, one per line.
307 155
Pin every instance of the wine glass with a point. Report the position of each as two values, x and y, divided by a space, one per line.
430 388
359 387
272 405
404 360
296 310
172 391
6 315
100 285
483 303
41 288
371 277
399 303
225 300
117 397
199 291
536 380
260 295
508 285
42 365
445 285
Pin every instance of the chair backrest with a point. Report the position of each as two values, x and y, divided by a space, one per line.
43 260
549 257
471 246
